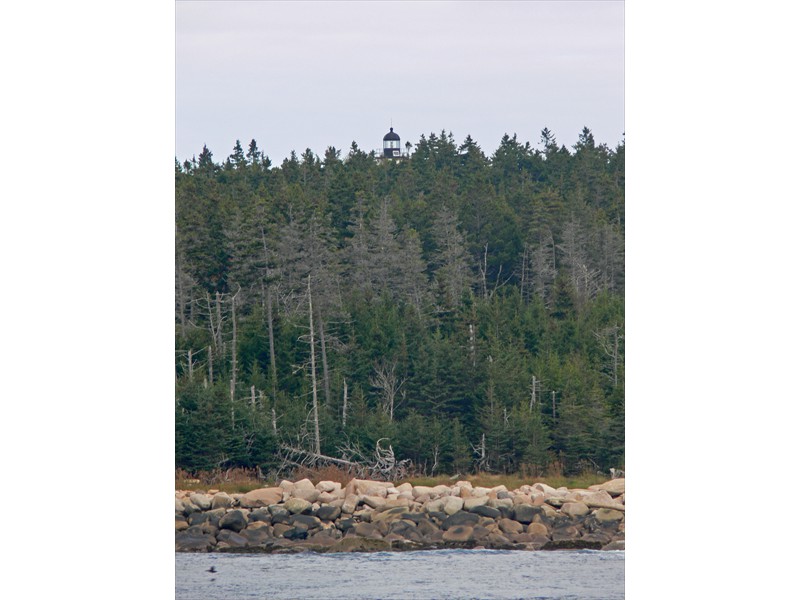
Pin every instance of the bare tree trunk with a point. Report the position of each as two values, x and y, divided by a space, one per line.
219 321
270 331
313 371
472 343
344 405
326 386
233 347
554 406
191 365
533 393
253 396
210 366
233 418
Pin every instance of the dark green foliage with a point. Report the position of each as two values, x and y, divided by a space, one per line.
444 286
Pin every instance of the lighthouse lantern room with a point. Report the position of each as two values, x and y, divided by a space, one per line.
391 144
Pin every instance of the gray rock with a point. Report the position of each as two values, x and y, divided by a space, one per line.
256 536
296 533
486 511
310 522
460 518
230 539
452 505
328 513
191 541
470 503
260 515
607 515
350 504
306 494
297 505
201 501
360 544
367 530
575 509
524 513
221 500
234 520
615 545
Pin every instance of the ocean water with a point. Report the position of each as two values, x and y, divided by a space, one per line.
425 575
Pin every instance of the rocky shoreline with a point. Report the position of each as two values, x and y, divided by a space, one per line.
370 516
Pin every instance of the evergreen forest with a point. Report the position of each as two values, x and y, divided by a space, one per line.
464 311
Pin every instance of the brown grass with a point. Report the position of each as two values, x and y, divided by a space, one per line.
245 480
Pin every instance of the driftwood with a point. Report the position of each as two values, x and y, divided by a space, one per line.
382 465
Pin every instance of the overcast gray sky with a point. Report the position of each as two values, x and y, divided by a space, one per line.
297 75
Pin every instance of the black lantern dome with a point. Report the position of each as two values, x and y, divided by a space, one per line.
391 144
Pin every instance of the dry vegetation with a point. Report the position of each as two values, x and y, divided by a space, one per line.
243 480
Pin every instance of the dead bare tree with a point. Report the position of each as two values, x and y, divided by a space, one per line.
389 384
609 339
313 370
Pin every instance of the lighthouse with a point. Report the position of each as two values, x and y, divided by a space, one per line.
391 144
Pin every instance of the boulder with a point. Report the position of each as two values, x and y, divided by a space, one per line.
460 518
179 506
234 520
434 505
298 532
373 501
260 515
470 503
615 545
574 509
310 522
537 529
607 515
615 487
405 487
486 511
360 544
367 530
366 487
190 541
452 505
305 494
570 532
304 484
201 501
297 505
328 513
510 526
459 533
181 525
524 513
221 500
256 536
391 514
350 504
326 498
261 497
328 486
441 490
518 499
230 539
420 490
